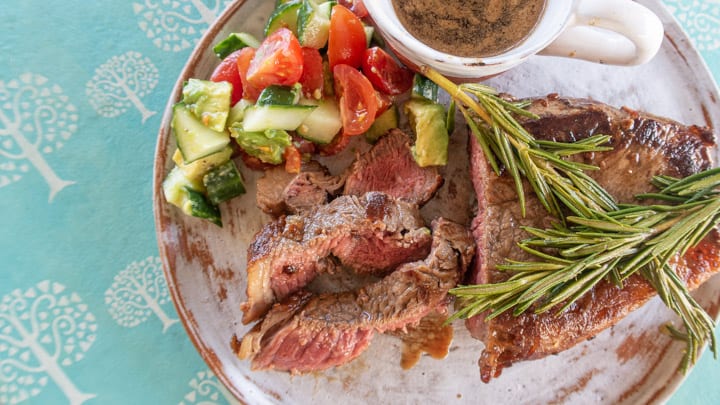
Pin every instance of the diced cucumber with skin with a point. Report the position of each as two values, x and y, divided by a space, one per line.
313 24
197 169
424 88
382 124
194 139
237 112
234 42
224 183
288 117
187 195
280 95
323 123
209 101
427 120
268 145
284 15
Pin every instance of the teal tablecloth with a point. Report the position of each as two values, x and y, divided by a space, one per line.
82 89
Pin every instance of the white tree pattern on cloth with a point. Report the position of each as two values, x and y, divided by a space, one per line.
701 20
121 83
175 25
207 390
137 292
36 118
42 330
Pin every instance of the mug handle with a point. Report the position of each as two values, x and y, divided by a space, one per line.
616 32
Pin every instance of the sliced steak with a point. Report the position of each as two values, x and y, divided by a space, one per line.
315 332
389 167
280 192
644 146
369 234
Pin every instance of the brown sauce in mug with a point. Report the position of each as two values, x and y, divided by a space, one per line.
471 28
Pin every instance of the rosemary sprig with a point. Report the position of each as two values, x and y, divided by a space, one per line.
614 245
507 145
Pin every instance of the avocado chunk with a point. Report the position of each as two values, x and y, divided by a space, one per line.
209 101
268 145
382 124
427 120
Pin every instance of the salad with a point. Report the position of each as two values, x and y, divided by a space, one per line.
317 78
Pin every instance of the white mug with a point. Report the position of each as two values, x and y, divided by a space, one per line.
618 32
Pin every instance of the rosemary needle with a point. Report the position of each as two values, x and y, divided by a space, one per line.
615 245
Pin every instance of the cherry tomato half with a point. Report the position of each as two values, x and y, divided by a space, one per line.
356 6
312 80
385 73
244 58
347 41
357 98
227 71
278 60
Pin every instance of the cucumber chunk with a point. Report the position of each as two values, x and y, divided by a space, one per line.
223 183
323 123
209 101
187 195
288 117
237 112
234 42
427 120
313 24
280 95
197 169
424 88
382 124
194 139
284 15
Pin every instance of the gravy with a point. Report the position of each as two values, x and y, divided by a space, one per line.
471 28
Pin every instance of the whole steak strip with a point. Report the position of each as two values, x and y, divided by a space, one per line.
388 167
310 333
644 146
372 233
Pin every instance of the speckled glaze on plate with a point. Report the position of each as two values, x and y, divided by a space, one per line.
629 363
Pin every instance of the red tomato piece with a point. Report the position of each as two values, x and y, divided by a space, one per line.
347 41
357 98
278 60
384 102
227 71
356 6
312 75
244 58
386 74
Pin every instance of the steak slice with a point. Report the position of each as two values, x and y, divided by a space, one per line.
644 146
389 167
280 192
314 332
369 234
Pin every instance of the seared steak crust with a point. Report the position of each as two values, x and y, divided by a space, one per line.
310 333
371 234
644 146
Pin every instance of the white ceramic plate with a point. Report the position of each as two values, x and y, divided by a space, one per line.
629 363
